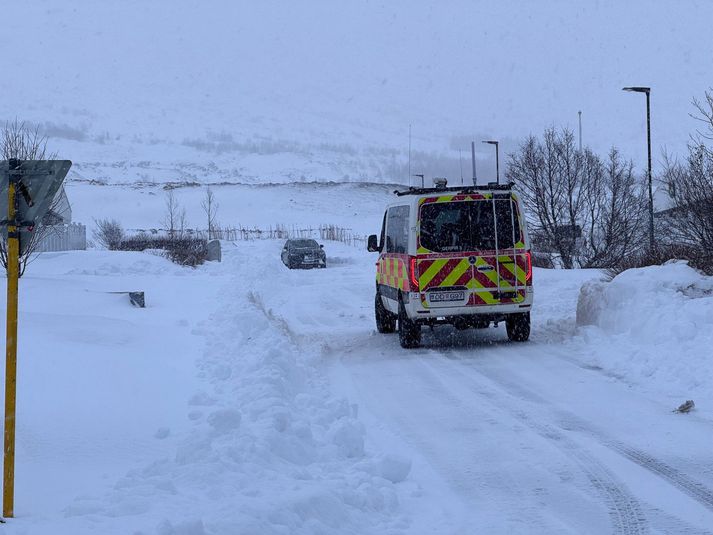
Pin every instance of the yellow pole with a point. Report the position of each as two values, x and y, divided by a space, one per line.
13 275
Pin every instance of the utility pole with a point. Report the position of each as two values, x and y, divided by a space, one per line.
497 159
580 130
647 90
472 156
409 154
460 161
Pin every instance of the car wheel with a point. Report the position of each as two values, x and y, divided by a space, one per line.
409 331
385 320
518 327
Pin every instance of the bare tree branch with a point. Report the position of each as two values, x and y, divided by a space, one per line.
704 113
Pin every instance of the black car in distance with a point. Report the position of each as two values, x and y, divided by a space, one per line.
302 253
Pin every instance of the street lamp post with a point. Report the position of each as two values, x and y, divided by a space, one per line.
497 159
647 90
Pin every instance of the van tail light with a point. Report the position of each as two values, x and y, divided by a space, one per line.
413 276
528 277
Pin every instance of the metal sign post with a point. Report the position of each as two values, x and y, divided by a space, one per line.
31 186
13 277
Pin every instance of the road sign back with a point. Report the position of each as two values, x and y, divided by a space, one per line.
37 184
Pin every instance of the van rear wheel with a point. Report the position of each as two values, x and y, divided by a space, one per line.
385 320
518 327
409 331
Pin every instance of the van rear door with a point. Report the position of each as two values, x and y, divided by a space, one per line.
443 259
500 274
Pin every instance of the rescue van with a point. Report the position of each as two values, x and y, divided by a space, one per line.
457 255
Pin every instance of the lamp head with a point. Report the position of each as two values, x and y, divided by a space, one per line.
637 89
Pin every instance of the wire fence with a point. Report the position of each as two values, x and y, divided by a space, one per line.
272 232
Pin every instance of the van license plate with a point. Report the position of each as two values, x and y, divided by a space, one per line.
439 297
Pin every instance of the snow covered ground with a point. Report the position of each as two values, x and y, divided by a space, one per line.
247 398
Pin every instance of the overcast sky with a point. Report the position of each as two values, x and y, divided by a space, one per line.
360 71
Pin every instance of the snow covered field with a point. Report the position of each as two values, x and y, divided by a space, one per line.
247 398
359 207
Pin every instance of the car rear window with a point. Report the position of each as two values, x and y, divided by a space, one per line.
303 244
469 225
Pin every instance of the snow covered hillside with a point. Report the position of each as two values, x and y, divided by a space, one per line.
274 91
359 207
247 398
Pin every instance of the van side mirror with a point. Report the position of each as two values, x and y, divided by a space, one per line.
372 244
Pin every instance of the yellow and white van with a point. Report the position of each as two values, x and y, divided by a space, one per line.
453 255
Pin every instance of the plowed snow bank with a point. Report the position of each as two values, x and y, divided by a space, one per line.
658 323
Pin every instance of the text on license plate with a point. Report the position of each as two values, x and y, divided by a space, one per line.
438 297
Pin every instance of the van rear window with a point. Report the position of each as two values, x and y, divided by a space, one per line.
469 226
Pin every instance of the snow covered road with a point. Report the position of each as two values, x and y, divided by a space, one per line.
518 438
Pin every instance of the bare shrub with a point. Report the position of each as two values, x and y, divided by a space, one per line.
584 210
685 231
108 233
617 209
19 140
696 258
551 176
689 222
542 260
185 251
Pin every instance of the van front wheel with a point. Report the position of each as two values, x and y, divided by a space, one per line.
409 331
518 327
385 320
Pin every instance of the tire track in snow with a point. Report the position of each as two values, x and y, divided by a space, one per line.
625 511
571 422
458 474
694 489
